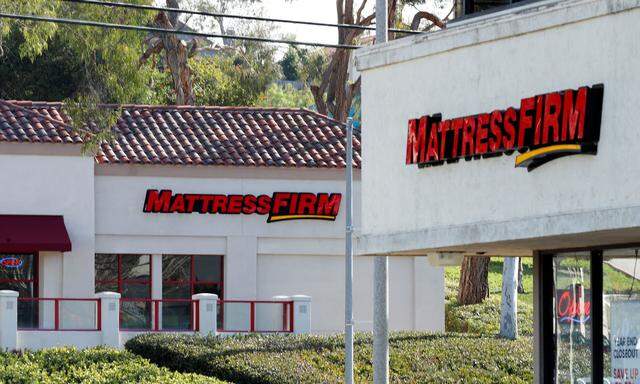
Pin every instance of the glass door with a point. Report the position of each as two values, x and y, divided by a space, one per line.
18 272
572 317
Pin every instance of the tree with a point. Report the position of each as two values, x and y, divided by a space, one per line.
520 283
105 60
176 54
291 64
334 94
55 75
509 304
220 7
277 96
474 280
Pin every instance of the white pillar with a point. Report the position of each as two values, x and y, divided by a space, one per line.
110 318
156 286
301 313
8 320
208 313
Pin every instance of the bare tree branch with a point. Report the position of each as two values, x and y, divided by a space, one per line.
424 15
359 13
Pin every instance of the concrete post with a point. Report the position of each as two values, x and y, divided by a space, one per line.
8 320
381 320
110 318
208 313
380 266
301 314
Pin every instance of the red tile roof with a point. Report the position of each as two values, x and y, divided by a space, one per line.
186 135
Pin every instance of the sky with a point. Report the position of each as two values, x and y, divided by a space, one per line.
325 11
308 10
319 11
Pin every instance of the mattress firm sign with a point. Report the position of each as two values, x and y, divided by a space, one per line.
280 206
625 336
544 128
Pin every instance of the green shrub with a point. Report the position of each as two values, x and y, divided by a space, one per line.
414 357
96 366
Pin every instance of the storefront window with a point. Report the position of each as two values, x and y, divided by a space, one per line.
572 314
621 316
131 276
18 273
182 277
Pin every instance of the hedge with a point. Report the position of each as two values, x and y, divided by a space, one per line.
414 357
95 366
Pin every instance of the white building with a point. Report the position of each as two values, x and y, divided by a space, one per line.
257 239
578 216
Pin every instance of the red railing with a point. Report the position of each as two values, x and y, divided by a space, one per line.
239 321
159 315
34 314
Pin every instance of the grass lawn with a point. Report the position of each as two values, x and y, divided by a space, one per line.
484 318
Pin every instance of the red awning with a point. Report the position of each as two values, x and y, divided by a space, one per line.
28 233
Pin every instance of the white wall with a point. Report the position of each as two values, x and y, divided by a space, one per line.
55 185
491 64
322 278
261 260
122 226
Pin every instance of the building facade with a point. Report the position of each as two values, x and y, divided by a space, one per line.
242 203
513 133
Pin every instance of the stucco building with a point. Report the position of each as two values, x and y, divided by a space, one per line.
239 202
514 133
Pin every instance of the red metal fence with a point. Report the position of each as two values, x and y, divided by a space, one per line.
159 315
59 314
155 315
261 316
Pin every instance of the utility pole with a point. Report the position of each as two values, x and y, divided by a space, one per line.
381 263
348 300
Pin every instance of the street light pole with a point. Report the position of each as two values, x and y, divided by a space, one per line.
381 263
348 300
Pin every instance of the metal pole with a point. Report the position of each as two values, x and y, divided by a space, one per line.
348 300
380 276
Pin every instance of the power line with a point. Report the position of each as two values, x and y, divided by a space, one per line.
230 16
167 31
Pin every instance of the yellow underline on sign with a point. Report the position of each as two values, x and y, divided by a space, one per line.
293 217
546 150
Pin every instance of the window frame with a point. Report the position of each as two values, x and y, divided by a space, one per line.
192 282
120 281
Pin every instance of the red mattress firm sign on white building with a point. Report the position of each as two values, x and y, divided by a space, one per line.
280 206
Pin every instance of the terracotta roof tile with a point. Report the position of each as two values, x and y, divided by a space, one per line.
232 136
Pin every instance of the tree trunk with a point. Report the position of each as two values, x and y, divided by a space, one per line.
177 57
520 284
509 306
474 280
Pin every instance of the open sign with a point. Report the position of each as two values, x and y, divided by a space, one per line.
574 305
11 262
